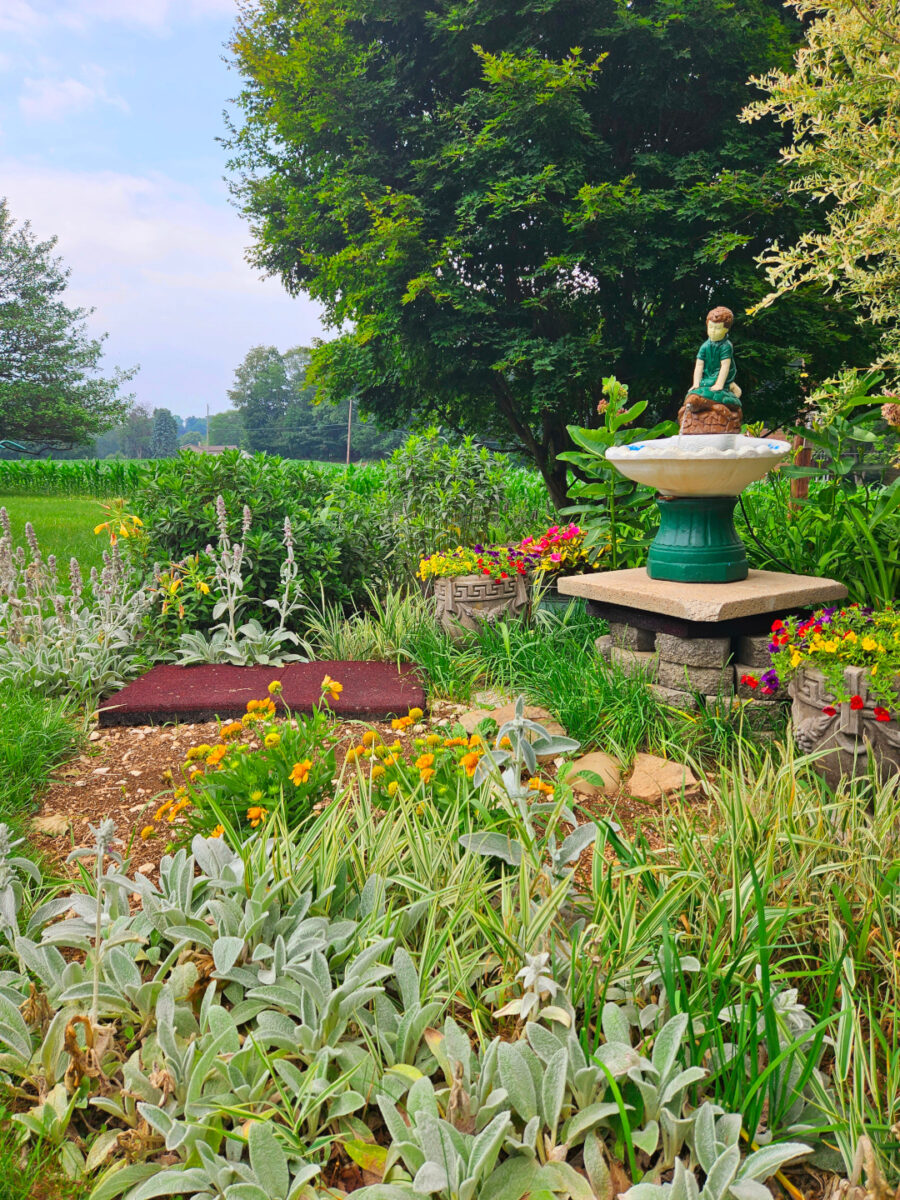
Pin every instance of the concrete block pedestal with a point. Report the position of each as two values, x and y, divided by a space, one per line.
687 639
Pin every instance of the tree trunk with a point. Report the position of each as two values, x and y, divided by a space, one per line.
554 439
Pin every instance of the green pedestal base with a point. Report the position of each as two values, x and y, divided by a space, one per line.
697 541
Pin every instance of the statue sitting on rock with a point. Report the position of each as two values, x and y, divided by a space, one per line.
713 403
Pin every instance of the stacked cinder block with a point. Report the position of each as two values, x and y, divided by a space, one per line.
679 668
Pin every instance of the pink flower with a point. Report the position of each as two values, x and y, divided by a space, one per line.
829 710
555 557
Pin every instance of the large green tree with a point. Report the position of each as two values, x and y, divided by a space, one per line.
497 203
53 392
842 102
164 442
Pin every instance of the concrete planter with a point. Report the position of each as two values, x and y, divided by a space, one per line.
467 601
847 735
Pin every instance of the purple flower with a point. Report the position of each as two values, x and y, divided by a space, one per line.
478 549
770 681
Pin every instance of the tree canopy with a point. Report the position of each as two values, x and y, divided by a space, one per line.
164 442
52 390
842 101
280 411
498 203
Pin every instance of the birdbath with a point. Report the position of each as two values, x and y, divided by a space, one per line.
700 473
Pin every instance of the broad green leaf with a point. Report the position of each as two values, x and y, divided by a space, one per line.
268 1160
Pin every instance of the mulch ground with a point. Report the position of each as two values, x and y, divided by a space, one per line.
122 774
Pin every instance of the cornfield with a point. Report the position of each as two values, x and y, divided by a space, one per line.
73 477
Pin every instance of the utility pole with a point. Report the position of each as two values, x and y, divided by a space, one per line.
349 422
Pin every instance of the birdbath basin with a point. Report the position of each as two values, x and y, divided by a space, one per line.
715 464
699 478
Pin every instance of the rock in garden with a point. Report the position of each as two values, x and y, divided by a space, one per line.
606 766
653 777
51 826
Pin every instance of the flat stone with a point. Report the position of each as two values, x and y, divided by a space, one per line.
709 680
674 697
51 826
631 638
472 719
599 763
634 662
754 651
760 592
603 646
694 652
653 777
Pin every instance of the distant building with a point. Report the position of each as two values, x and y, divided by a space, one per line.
209 449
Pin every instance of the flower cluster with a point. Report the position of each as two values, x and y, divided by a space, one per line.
561 547
831 640
434 759
255 767
497 562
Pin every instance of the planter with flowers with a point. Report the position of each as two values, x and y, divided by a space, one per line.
842 670
476 584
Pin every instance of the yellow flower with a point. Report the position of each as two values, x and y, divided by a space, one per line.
176 809
476 739
275 687
420 808
333 688
147 832
401 722
796 659
426 774
369 738
415 713
377 771
271 740
198 752
218 831
216 755
424 761
163 809
850 636
457 741
300 772
204 588
830 646
395 748
195 775
505 744
391 760
434 739
255 814
253 705
869 643
392 787
538 785
180 793
230 731
381 750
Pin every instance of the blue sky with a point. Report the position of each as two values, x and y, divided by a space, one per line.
109 111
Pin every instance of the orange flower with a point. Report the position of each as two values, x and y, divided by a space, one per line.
163 809
218 831
230 731
401 722
333 688
424 761
255 815
476 739
538 785
457 741
470 762
300 772
216 755
425 774
369 738
147 832
176 809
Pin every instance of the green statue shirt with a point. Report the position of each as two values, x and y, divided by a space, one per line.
712 355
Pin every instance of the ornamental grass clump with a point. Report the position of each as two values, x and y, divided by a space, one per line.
831 640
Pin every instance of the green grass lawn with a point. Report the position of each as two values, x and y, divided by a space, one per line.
64 526
35 735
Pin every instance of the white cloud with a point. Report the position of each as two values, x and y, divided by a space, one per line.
28 17
48 98
19 17
165 270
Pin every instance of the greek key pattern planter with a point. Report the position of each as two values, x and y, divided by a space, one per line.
467 601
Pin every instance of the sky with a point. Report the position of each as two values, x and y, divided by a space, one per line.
109 114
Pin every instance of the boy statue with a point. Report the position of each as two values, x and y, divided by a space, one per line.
713 403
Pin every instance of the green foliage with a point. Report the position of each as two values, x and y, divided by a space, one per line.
84 477
36 734
51 389
500 206
841 104
619 516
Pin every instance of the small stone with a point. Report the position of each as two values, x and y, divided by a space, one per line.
100 771
136 774
94 735
754 651
599 763
629 637
137 808
653 777
694 652
603 646
674 697
635 662
51 826
709 680
146 868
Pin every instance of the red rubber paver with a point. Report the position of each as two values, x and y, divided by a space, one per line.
372 690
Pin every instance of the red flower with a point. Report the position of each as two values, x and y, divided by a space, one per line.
749 681
485 571
881 714
777 625
829 711
856 703
503 575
